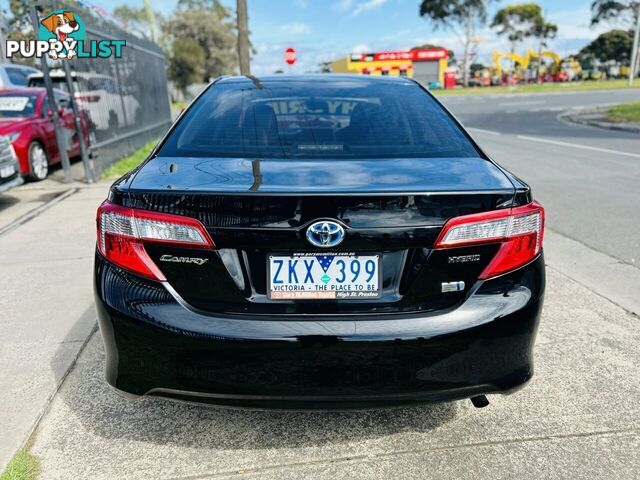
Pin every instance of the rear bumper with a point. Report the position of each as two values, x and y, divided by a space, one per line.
157 346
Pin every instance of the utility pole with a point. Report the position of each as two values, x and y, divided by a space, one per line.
243 36
634 52
3 38
467 48
60 140
151 18
84 153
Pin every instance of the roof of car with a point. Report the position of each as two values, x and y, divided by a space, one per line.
31 91
57 73
17 65
315 78
25 91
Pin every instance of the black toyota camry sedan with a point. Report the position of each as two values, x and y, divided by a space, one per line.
318 242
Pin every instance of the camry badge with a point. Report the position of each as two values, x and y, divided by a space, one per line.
194 260
325 233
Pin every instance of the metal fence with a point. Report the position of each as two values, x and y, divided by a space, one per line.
127 98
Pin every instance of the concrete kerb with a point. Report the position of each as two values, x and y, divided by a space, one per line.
595 117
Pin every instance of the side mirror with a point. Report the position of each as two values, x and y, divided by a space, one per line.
49 113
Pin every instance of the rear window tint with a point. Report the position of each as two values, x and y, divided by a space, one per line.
341 119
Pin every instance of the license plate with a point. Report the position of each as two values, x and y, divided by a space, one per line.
7 171
323 276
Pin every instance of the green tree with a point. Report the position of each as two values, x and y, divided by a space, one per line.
463 17
543 31
517 22
627 13
212 5
214 35
141 18
323 67
186 63
622 12
477 67
521 21
20 27
128 13
612 45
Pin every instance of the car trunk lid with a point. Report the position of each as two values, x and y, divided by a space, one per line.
394 208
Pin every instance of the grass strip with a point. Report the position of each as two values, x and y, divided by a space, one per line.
23 466
540 88
625 112
129 162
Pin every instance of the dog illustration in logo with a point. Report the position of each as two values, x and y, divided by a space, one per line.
61 25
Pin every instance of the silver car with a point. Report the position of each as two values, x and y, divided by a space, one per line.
9 169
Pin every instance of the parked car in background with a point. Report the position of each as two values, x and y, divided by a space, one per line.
9 169
109 107
15 76
25 118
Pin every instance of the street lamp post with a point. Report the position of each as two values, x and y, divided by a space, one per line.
634 51
60 140
242 18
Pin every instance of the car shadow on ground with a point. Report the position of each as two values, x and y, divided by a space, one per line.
7 200
100 411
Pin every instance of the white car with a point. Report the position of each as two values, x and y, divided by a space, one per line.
13 75
100 95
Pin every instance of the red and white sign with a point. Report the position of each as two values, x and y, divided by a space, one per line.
290 56
413 55
433 54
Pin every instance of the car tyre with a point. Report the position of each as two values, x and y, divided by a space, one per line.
38 162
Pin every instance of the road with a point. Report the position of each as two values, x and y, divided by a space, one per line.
588 178
576 419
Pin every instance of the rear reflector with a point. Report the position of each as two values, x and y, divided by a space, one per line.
122 233
519 230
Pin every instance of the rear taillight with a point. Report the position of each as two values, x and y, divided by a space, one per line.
88 98
122 233
519 231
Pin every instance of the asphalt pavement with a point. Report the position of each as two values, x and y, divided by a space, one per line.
587 177
576 419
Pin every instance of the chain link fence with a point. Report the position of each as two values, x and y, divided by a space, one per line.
126 98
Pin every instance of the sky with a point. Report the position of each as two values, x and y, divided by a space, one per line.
324 30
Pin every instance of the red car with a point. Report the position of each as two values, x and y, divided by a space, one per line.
25 119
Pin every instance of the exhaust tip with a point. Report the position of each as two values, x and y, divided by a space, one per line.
480 401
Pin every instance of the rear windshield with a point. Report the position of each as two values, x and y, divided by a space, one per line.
12 105
59 82
341 119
